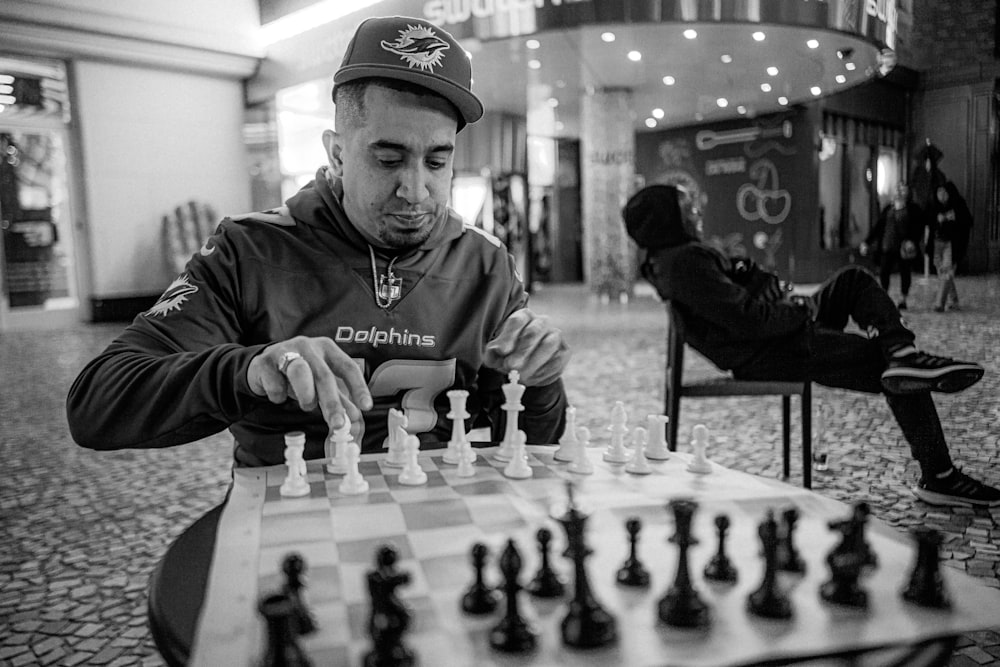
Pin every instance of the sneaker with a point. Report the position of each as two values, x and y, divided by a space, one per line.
919 372
957 490
938 309
901 305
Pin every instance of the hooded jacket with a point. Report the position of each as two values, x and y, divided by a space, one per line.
732 311
179 371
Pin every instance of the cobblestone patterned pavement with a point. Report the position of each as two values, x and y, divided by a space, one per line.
81 531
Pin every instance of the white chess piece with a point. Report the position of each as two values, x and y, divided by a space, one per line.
396 423
581 464
512 391
568 442
639 465
412 474
466 461
295 483
457 414
518 467
616 451
656 447
699 444
353 483
336 443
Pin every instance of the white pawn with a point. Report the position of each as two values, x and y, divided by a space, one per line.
412 474
457 415
639 465
466 459
353 483
656 448
336 444
512 391
295 483
568 442
518 467
616 451
699 443
581 464
396 423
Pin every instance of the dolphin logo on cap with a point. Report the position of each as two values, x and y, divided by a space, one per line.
419 47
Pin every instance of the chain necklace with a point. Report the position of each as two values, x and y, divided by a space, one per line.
388 287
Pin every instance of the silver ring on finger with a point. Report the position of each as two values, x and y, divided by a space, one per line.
285 360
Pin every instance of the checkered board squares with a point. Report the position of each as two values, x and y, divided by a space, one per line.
434 526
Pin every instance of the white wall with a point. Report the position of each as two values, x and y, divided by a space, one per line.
151 140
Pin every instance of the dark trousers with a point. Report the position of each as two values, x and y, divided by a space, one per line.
889 261
833 357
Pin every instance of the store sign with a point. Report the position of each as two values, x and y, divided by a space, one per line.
450 12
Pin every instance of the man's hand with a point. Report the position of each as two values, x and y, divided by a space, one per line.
313 371
528 344
863 249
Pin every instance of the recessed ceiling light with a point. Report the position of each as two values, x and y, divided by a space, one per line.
849 67
690 33
608 36
658 113
650 122
759 36
634 56
766 87
722 102
553 102
812 43
840 78
532 44
699 116
534 64
782 100
772 70
669 80
741 109
726 58
816 90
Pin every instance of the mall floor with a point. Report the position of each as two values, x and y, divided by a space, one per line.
80 531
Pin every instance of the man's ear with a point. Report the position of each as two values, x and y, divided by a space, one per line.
333 143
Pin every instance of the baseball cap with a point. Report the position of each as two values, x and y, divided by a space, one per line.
413 50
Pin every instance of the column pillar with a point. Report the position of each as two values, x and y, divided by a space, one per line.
607 159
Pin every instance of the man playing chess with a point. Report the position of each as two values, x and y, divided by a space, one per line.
364 292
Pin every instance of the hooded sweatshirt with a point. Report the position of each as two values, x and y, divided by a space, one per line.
179 371
732 311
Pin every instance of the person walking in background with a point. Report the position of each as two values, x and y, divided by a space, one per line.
951 221
895 241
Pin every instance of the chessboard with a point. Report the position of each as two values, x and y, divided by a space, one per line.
433 527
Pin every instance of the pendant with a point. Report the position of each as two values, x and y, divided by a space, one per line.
389 288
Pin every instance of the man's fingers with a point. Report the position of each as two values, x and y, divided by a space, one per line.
545 362
510 333
300 379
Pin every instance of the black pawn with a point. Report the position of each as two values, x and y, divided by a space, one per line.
283 649
479 598
294 568
632 572
720 568
546 583
926 585
789 559
513 634
390 617
768 600
681 606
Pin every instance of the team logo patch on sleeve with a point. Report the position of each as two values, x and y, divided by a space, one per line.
174 297
418 46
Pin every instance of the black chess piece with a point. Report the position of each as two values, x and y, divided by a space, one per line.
721 568
633 572
294 568
681 606
390 617
547 583
586 624
479 598
768 600
513 634
926 585
848 560
789 559
283 649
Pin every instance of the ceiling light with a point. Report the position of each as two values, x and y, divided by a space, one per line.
650 122
759 36
766 87
850 67
608 36
782 100
772 70
658 113
845 54
741 109
534 64
699 116
553 102
669 80
634 56
690 33
840 78
812 43
816 90
532 44
726 58
722 102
